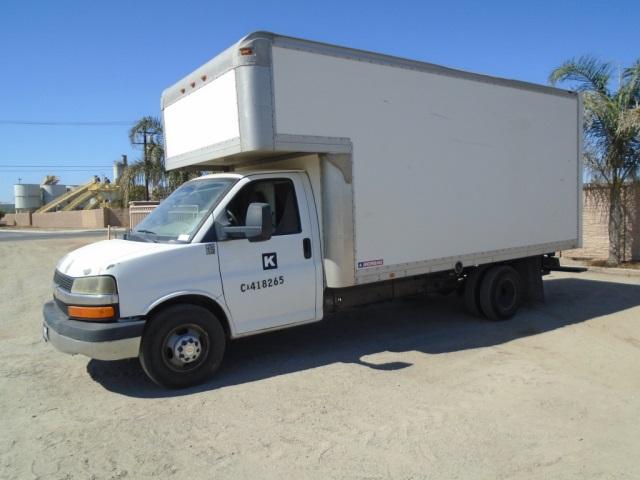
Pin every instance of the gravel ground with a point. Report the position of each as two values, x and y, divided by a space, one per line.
410 389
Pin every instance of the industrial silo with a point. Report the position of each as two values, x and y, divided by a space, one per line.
118 168
27 197
51 192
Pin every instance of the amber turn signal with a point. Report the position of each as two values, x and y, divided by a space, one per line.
91 313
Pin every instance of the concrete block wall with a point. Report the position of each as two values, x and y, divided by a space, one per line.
9 219
17 219
97 218
72 219
595 214
595 224
117 217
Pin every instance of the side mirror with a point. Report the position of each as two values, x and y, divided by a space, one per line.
258 226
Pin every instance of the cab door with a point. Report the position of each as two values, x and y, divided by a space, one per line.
270 283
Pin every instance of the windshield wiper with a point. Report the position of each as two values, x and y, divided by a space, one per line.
145 238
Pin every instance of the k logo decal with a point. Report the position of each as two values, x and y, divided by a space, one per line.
269 261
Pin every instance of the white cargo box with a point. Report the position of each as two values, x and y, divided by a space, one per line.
414 166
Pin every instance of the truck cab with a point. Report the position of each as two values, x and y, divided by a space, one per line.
226 255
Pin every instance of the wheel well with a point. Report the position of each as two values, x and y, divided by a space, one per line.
530 271
201 301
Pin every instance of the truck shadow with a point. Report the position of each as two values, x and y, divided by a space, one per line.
428 325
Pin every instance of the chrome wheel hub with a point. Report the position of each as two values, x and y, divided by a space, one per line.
185 347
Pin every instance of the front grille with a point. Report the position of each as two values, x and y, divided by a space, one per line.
64 281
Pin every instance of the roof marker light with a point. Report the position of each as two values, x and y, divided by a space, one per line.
246 51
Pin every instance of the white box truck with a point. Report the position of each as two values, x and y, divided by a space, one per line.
345 178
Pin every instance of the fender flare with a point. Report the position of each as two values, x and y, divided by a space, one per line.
208 300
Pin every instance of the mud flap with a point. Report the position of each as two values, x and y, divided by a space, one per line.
530 270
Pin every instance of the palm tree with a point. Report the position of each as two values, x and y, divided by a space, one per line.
611 132
148 133
150 169
128 180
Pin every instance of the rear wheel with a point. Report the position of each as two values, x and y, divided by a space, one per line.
472 291
182 346
500 292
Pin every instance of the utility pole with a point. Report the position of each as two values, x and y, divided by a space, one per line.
145 160
146 168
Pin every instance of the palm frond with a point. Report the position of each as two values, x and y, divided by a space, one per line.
146 124
629 124
630 88
586 73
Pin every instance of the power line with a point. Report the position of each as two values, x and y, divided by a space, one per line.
57 169
54 166
8 170
112 123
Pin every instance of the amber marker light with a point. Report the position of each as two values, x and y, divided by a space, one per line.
91 313
246 51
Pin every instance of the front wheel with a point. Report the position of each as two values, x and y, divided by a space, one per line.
182 346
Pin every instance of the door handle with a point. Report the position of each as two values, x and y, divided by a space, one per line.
306 247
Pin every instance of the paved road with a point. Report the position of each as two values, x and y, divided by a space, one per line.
13 235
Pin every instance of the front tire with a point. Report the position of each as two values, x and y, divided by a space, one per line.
501 292
182 346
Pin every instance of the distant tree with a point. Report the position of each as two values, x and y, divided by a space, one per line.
611 132
148 134
138 192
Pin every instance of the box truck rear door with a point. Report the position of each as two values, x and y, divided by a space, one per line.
270 283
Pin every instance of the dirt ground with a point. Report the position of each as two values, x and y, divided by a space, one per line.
409 390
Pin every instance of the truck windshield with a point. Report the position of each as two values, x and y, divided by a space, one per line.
178 216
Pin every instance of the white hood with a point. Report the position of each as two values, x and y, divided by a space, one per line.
97 258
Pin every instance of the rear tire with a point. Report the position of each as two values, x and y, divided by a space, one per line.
472 291
182 346
501 292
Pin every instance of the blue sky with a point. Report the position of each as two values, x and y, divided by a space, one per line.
68 61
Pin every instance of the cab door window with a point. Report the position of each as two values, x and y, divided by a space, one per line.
279 193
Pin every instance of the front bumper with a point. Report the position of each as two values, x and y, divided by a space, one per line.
102 341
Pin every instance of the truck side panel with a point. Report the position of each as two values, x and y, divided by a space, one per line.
444 168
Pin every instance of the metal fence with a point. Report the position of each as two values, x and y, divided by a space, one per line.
139 210
184 213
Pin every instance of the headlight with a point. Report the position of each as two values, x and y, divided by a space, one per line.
102 285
